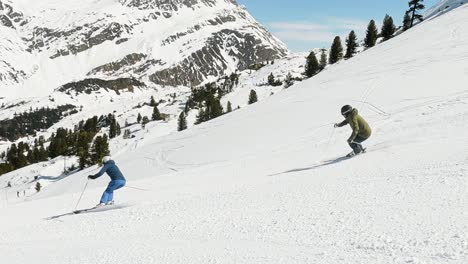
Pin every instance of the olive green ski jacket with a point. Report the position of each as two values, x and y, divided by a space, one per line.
360 127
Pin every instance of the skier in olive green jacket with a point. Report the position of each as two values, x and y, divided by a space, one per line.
361 130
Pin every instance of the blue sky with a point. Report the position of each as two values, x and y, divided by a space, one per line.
307 24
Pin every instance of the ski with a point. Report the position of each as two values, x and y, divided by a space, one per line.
104 208
352 154
85 210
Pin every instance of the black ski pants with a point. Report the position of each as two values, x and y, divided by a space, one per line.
356 144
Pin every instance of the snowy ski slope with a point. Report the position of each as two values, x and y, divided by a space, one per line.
442 7
265 184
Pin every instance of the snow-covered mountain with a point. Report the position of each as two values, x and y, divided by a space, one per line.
442 7
47 44
268 183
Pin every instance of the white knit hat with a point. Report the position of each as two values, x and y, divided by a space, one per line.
106 159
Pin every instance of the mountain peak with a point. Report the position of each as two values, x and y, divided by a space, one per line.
171 4
166 42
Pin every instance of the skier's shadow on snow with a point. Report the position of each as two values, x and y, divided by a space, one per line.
100 210
58 216
323 164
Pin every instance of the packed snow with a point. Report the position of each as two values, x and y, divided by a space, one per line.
267 183
125 104
442 7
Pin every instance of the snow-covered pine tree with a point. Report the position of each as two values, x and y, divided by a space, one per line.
144 121
336 51
351 45
201 117
371 35
152 101
229 107
271 79
182 122
156 114
312 66
388 28
289 81
253 97
38 187
126 134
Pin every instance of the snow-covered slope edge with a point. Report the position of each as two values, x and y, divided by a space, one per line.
275 192
442 7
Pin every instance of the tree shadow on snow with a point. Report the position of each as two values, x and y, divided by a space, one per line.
323 164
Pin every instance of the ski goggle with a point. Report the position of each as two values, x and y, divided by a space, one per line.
346 113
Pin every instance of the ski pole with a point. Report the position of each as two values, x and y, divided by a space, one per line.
81 196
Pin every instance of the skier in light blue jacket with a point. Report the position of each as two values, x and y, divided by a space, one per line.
117 180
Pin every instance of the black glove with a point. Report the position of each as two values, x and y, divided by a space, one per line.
91 177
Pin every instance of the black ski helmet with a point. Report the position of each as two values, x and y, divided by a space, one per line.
345 110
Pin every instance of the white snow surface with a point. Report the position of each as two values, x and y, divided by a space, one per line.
172 101
442 7
264 184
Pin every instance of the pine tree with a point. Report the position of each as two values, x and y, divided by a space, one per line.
38 187
58 143
12 156
144 121
113 126
152 102
91 125
182 122
139 118
43 154
118 129
388 28
406 22
351 45
156 114
271 79
253 97
127 134
33 155
229 107
371 35
336 51
100 149
214 108
82 145
289 81
312 66
201 117
22 160
414 7
323 60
